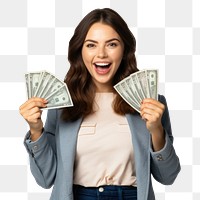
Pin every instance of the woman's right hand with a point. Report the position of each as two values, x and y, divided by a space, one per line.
31 112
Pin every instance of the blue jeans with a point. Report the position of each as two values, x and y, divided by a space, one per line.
108 192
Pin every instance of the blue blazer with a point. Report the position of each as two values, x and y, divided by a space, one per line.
52 155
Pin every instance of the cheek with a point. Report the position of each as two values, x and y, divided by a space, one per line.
118 59
117 55
87 56
87 61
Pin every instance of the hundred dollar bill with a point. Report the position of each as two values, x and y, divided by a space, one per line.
152 77
59 99
45 85
54 85
44 78
28 87
136 83
122 92
133 92
142 78
34 82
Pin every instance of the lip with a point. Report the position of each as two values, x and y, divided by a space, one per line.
100 67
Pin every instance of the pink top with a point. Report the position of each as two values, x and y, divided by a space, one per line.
104 148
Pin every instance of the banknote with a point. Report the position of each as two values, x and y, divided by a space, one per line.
60 98
54 85
138 86
34 82
142 78
126 97
43 84
28 87
43 81
133 92
152 76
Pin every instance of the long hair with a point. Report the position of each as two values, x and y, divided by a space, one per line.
78 79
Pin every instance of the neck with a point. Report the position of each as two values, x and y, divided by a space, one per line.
103 88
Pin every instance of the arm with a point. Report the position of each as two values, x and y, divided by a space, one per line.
165 164
42 152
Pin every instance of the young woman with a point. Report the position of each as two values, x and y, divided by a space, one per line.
100 148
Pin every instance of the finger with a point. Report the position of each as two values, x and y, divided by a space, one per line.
157 106
26 113
31 112
151 117
33 99
154 102
31 104
34 118
152 110
149 107
34 104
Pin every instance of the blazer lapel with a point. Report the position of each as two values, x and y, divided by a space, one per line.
141 146
68 132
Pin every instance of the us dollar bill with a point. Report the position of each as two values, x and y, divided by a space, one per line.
121 89
44 78
59 99
138 87
133 91
54 85
152 77
34 82
28 87
143 81
45 85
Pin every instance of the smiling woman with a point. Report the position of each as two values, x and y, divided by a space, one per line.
74 151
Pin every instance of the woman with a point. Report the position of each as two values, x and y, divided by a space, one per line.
100 148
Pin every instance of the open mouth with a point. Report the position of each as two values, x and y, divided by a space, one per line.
102 68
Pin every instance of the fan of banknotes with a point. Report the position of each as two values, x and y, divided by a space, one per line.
45 85
134 88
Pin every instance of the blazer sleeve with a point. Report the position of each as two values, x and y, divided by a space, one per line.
165 164
42 153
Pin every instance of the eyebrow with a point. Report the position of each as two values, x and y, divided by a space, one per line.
89 40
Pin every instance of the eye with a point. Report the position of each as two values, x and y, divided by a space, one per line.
90 45
112 44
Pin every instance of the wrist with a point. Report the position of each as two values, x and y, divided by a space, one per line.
157 131
35 134
158 139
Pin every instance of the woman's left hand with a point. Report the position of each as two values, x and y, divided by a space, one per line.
152 111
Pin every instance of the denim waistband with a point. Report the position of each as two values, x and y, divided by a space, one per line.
106 190
106 187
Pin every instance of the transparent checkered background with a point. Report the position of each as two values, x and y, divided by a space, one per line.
34 35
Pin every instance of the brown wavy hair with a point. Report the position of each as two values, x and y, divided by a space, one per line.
78 79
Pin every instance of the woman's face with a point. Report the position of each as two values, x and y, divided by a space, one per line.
102 53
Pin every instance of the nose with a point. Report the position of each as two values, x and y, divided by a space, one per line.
102 53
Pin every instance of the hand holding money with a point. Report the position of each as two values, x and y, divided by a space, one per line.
45 85
138 86
31 112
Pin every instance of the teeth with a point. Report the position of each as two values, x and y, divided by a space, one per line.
101 64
